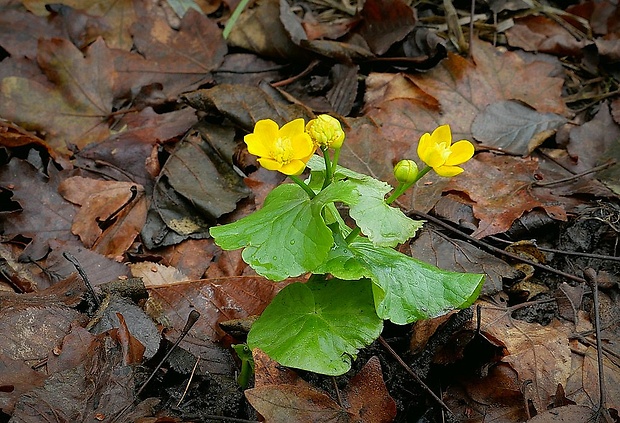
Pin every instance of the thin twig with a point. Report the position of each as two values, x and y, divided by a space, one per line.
577 175
191 376
565 252
80 270
413 374
492 248
591 277
191 320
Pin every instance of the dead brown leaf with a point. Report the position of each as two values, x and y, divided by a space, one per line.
74 111
111 215
280 395
501 188
44 215
172 296
540 354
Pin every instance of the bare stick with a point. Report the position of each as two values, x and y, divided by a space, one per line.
80 270
590 275
413 374
191 320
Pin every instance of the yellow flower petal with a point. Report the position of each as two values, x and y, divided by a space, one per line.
269 164
461 152
442 134
292 128
448 171
294 167
424 146
302 145
257 145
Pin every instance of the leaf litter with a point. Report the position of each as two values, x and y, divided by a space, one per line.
94 101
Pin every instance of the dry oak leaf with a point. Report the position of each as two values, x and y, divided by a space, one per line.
111 215
501 188
541 355
74 108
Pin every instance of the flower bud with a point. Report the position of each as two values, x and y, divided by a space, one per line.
326 131
406 171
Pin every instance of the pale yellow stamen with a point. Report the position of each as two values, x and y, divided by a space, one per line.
282 151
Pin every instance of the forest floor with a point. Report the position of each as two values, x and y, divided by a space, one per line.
121 144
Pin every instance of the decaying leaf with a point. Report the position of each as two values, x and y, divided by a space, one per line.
44 215
111 214
540 354
501 197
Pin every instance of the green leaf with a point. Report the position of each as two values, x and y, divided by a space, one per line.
384 225
318 326
288 236
404 289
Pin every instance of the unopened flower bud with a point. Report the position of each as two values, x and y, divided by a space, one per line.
326 131
406 171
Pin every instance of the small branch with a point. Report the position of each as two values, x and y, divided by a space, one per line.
490 247
605 165
80 270
591 277
413 374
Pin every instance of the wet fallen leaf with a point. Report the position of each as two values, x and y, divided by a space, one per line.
20 33
582 385
295 404
384 23
35 322
180 60
460 256
589 142
172 296
245 106
260 30
125 155
513 127
198 183
542 34
118 18
280 395
367 396
95 390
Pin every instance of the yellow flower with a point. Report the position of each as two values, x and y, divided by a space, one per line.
326 131
435 150
285 149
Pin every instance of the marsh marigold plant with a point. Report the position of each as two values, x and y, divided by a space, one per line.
358 279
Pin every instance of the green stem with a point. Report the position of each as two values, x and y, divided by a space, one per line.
335 159
401 188
352 235
233 18
329 175
303 185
